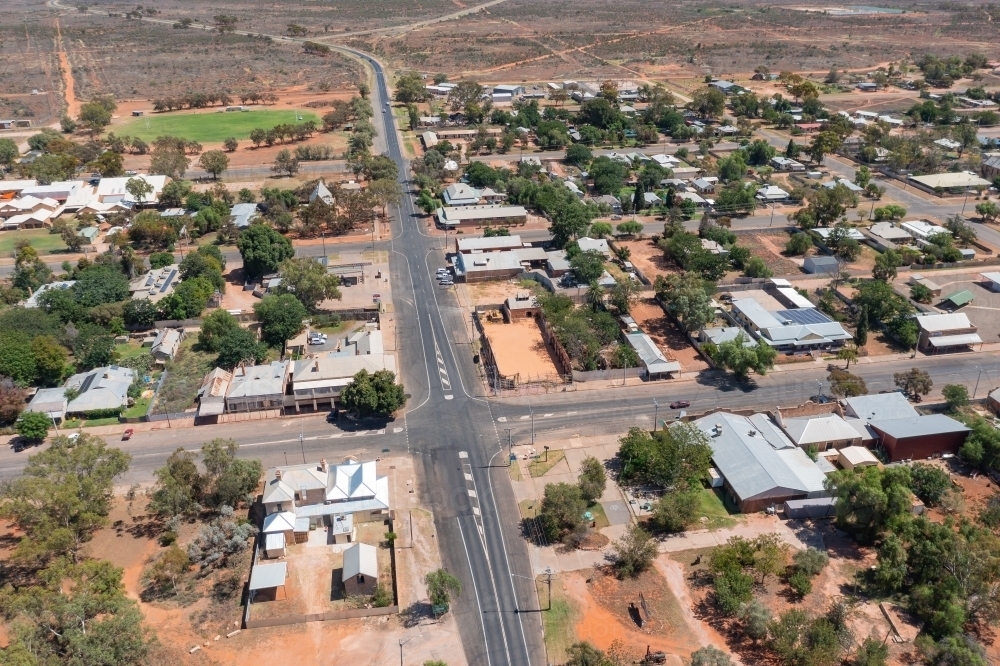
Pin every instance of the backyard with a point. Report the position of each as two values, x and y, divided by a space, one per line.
184 375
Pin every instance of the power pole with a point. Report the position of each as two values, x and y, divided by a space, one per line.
510 448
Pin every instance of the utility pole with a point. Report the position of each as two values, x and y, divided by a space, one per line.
656 411
548 572
510 448
302 445
980 368
532 425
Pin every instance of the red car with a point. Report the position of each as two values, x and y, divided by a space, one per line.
128 434
680 404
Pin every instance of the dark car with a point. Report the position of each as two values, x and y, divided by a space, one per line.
680 404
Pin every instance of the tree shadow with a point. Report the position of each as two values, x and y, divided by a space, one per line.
415 614
725 382
142 527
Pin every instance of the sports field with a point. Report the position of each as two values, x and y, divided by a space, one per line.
211 126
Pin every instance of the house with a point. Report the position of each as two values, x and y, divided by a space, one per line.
867 86
267 582
508 89
318 493
653 361
820 264
921 436
257 387
611 201
32 301
922 229
844 183
156 284
728 87
890 232
556 263
809 127
318 381
878 407
594 244
825 232
990 167
713 247
952 180
212 394
760 466
717 336
695 198
112 190
853 457
49 401
469 216
916 279
703 186
167 341
360 575
822 432
790 331
460 194
100 390
771 193
430 139
650 199
726 130
786 164
948 144
941 333
487 243
242 214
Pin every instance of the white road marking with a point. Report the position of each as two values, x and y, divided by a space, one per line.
502 419
472 493
449 397
545 415
570 413
525 418
395 430
463 454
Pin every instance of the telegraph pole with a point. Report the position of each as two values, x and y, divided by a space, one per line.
510 448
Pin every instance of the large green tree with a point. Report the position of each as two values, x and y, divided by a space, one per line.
666 457
308 281
373 393
281 318
263 250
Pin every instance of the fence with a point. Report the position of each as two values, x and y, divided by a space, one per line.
691 339
606 375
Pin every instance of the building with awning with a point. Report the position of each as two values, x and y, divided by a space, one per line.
948 332
267 582
656 364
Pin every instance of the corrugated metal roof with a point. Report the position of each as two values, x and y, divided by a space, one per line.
361 558
915 426
939 323
955 340
279 522
821 429
266 576
880 407
274 541
960 298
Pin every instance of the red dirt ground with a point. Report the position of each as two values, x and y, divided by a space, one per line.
649 316
520 349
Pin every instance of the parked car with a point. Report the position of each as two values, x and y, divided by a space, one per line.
447 283
128 434
680 404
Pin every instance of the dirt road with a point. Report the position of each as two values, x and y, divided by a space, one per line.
69 89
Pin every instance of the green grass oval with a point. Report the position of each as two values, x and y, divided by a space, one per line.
211 126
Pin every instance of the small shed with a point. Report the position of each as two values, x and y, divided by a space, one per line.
850 457
821 265
281 523
342 528
360 575
267 582
959 298
274 544
818 507
916 279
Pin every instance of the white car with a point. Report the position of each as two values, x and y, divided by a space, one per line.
447 283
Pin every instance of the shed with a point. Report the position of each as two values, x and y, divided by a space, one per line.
360 575
281 523
850 457
959 298
819 507
821 264
274 545
267 582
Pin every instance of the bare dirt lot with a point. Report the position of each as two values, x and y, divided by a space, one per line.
520 350
650 317
769 246
647 257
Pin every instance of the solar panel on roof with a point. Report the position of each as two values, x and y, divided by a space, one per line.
805 316
170 278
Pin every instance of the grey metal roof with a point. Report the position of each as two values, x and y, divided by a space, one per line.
101 388
880 407
259 380
804 316
242 213
751 465
650 354
819 429
266 576
361 558
916 426
274 541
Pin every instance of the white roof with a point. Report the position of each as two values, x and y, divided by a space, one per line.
922 228
115 187
456 214
824 233
258 380
795 298
880 406
274 541
650 355
819 429
939 323
337 371
772 192
360 559
460 193
949 180
489 243
16 185
283 521
599 244
991 277
858 455
889 231
266 576
352 481
32 301
100 388
955 340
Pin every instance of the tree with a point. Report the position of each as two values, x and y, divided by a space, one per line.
592 479
285 163
214 327
214 162
688 298
139 188
230 144
50 359
240 346
441 585
600 230
229 481
12 400
179 486
634 552
757 268
579 155
921 293
710 656
708 102
870 500
73 241
280 318
956 395
736 356
8 152
672 456
847 354
263 250
843 384
33 426
373 394
810 561
98 284
386 192
929 483
756 619
914 382
309 282
678 508
587 266
63 496
629 228
799 243
95 115
109 164
988 210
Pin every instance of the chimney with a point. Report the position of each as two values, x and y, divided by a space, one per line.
322 465
277 474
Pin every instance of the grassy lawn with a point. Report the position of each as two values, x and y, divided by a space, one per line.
539 466
212 126
40 239
184 375
600 518
558 620
712 506
529 507
515 471
138 409
71 424
93 423
130 350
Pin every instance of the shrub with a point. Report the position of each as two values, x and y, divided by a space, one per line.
800 583
810 561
